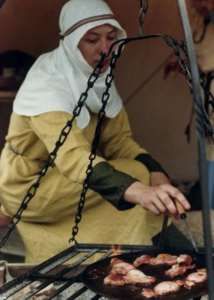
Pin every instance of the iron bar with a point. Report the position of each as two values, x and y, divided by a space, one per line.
203 165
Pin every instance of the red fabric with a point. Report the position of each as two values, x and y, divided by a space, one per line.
203 7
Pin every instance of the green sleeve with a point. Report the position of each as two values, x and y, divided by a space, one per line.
151 164
111 184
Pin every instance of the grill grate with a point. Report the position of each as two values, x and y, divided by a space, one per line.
62 280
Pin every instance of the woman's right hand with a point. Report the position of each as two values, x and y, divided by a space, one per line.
158 199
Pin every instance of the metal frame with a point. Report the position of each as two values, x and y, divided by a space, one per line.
64 270
203 162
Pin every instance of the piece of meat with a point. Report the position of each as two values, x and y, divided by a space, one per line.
142 260
166 287
178 270
164 259
120 267
180 282
161 259
148 293
137 277
189 284
184 259
199 276
114 279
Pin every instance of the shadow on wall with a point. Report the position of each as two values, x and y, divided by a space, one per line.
14 65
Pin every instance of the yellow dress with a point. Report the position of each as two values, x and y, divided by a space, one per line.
47 222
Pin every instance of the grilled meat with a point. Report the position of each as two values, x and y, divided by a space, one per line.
163 259
178 270
162 289
166 287
180 282
148 293
115 280
124 273
198 277
142 260
137 277
120 267
184 259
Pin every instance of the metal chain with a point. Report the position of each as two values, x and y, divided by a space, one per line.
94 147
182 58
144 6
52 156
207 79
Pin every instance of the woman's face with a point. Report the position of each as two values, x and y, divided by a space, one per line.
96 41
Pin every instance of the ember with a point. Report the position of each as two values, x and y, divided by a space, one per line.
116 250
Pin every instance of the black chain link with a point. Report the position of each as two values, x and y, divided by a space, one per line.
94 147
204 126
52 156
144 6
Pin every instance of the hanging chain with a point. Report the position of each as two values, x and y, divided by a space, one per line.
95 144
182 58
52 155
207 79
144 6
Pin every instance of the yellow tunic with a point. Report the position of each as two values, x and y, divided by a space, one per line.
47 222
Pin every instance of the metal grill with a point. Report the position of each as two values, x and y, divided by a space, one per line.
63 273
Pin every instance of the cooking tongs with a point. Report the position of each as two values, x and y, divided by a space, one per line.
183 217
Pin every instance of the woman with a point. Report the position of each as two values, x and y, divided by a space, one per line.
124 173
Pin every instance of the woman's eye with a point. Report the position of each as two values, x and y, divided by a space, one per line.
112 37
91 41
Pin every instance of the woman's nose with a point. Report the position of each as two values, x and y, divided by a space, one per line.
105 46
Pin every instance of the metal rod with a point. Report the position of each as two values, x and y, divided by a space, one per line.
61 274
78 293
63 288
22 281
203 164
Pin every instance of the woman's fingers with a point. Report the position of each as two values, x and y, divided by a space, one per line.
160 205
182 200
152 208
167 202
157 199
175 194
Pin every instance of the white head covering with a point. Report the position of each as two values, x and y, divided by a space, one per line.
57 79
